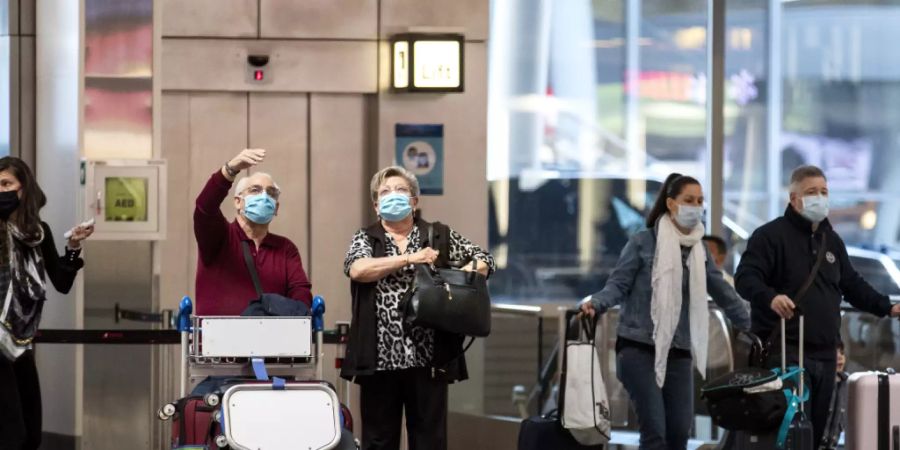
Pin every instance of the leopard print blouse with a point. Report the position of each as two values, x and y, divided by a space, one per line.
399 346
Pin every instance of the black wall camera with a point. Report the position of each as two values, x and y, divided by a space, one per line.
257 69
258 60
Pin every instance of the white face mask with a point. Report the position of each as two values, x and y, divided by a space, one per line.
689 216
815 208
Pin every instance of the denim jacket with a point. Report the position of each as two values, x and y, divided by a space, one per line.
629 285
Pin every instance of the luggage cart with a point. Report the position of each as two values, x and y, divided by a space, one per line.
294 408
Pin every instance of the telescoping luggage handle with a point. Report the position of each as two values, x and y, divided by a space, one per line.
794 402
800 351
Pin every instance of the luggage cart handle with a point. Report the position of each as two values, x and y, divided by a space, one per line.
185 308
318 313
318 326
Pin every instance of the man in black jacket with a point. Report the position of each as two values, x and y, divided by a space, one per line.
779 258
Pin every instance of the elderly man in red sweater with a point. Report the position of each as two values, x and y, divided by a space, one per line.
224 285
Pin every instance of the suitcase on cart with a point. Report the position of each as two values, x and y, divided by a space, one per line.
269 413
798 435
192 423
873 411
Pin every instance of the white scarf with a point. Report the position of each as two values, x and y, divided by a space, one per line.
665 303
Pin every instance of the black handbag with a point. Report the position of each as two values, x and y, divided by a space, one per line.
451 300
269 304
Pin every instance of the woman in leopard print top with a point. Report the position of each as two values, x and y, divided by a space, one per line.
381 261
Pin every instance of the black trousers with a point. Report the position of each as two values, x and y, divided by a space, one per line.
383 399
20 403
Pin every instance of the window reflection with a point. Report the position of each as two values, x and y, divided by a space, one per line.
644 116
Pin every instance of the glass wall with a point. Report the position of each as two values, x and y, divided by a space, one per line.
5 91
593 103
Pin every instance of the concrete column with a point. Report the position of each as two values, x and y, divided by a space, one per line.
59 61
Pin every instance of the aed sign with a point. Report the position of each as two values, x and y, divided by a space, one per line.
427 62
126 199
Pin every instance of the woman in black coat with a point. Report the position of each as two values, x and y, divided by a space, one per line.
28 257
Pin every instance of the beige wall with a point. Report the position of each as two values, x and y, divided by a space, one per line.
326 117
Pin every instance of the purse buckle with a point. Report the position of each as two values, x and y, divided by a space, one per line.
449 294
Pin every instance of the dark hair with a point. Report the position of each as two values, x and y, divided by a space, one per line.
803 172
671 188
27 218
840 346
720 243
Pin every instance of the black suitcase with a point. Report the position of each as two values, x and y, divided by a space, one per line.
800 432
799 437
546 433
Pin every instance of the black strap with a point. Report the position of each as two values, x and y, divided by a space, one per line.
884 412
812 274
443 367
896 437
804 288
251 267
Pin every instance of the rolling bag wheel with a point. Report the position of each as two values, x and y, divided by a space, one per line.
221 441
166 412
211 399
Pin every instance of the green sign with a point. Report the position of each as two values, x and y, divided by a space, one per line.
126 199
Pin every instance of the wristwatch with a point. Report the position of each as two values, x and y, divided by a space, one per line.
231 172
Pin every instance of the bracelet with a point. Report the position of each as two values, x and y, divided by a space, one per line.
231 172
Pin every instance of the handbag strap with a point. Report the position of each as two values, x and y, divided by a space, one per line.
589 327
443 367
804 288
251 267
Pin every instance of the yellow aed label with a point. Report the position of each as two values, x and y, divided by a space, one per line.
126 199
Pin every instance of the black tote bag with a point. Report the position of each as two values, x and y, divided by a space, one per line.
451 300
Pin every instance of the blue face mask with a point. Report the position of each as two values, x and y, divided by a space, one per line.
259 208
815 208
689 216
394 207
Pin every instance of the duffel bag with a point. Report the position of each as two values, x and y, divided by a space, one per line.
750 399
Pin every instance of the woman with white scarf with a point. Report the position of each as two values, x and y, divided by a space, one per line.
661 281
28 257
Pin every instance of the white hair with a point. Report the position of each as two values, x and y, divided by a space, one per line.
393 171
244 182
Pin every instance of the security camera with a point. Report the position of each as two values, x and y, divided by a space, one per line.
258 60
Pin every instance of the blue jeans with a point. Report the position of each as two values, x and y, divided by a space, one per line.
665 415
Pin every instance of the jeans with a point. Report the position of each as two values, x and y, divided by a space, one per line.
665 415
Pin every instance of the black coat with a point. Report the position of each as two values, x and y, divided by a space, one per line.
448 362
779 257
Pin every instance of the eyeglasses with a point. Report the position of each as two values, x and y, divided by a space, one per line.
399 189
257 189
